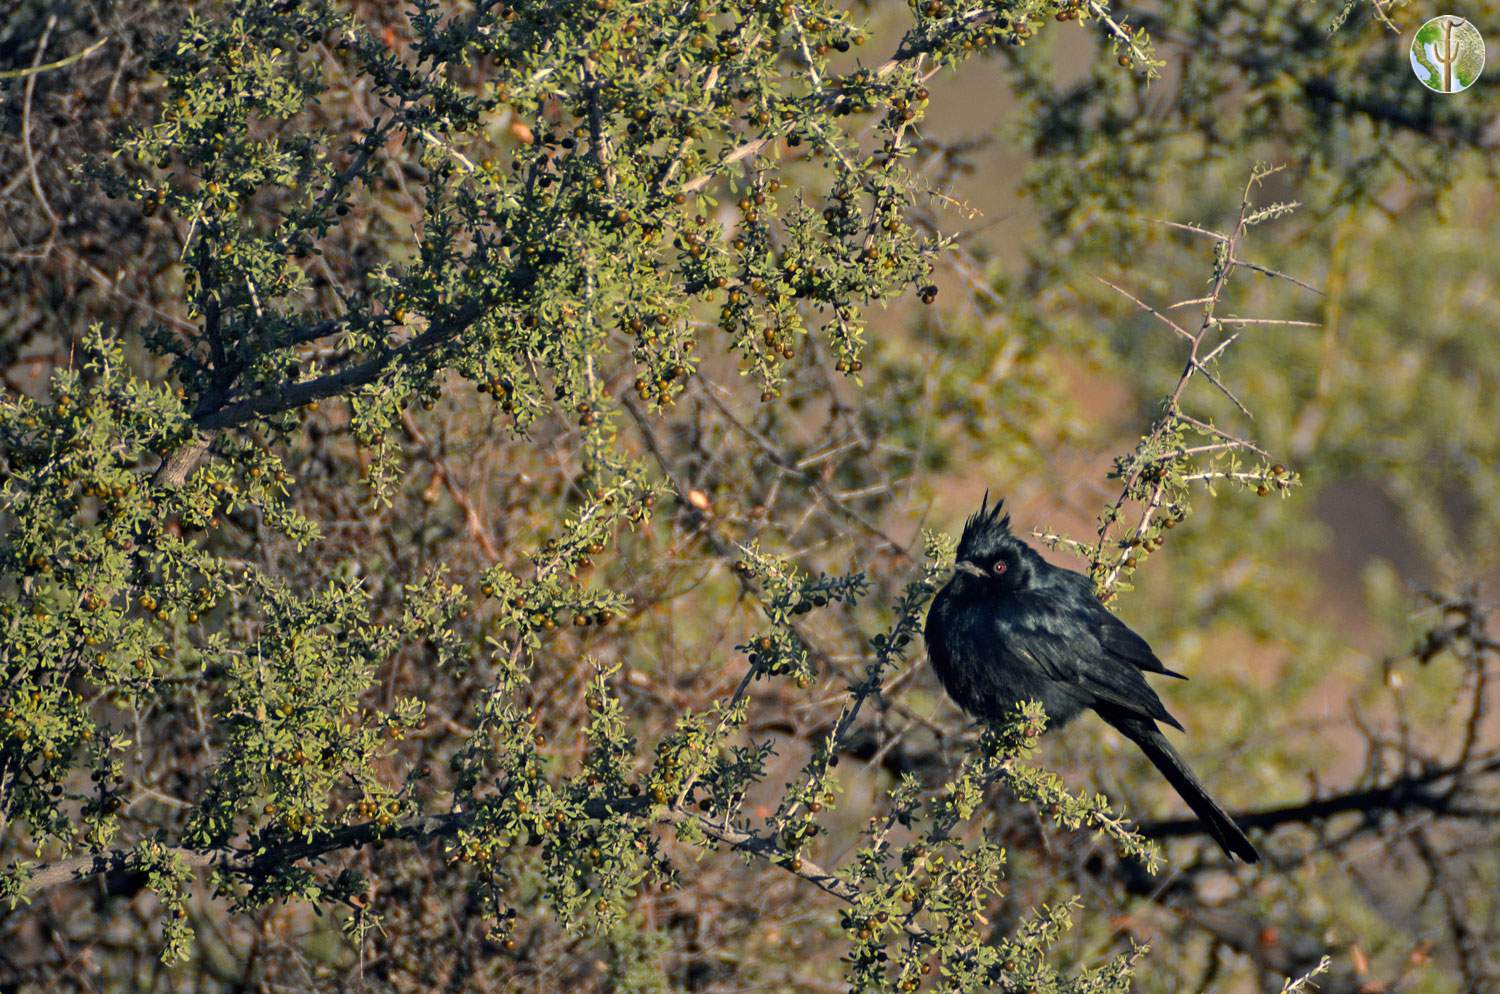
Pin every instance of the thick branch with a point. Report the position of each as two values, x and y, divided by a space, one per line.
295 395
119 878
175 468
114 866
1414 793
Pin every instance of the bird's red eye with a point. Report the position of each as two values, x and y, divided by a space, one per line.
999 567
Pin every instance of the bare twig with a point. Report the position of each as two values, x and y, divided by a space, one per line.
30 92
35 69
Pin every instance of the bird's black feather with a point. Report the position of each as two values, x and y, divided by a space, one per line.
1011 627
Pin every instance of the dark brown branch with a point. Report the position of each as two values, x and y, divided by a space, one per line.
120 879
114 866
176 467
296 395
1413 793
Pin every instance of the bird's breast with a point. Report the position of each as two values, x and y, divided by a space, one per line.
986 673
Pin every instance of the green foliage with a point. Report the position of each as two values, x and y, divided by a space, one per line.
169 878
927 897
1264 82
544 234
609 677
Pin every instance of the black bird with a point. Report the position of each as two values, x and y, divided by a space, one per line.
1011 627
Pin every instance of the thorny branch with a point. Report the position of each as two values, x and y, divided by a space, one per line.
1159 462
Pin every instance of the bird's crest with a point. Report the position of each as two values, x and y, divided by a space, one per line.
986 528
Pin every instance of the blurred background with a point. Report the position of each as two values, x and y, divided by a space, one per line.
1335 634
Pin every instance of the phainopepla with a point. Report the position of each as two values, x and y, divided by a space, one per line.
1011 627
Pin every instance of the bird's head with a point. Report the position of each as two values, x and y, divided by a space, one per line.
988 553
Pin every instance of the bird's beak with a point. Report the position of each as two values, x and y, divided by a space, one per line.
964 566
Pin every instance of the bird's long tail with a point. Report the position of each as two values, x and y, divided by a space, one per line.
1222 827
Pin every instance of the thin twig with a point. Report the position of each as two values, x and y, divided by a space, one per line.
34 69
1147 307
30 91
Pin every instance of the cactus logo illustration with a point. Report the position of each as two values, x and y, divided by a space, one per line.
1447 54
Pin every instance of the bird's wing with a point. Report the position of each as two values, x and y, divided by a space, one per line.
1068 648
1118 640
1112 634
